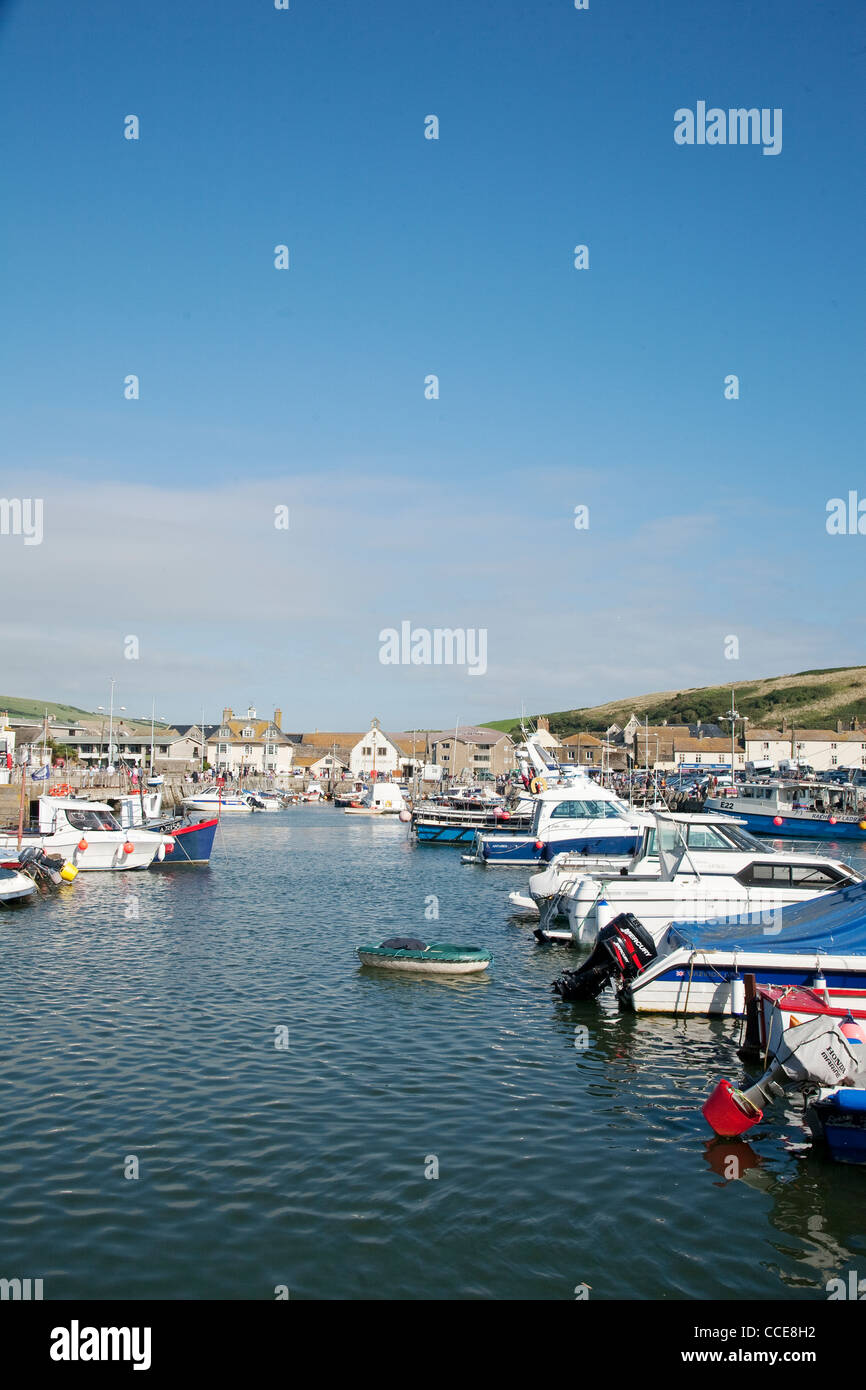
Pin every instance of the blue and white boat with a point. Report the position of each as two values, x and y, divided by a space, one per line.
700 968
805 808
582 818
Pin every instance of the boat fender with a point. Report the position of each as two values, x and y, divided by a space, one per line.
604 913
69 872
82 844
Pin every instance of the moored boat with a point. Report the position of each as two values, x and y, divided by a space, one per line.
15 886
88 834
804 808
407 953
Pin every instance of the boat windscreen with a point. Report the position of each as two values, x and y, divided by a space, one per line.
742 839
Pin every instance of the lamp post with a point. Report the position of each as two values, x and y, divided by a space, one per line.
732 716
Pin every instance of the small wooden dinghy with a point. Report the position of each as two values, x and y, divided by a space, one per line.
437 957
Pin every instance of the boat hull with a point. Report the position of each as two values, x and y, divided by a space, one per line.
802 826
192 844
711 982
422 967
521 853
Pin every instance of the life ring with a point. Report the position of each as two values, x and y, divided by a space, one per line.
63 790
537 784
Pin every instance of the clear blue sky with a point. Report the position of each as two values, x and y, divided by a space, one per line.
410 256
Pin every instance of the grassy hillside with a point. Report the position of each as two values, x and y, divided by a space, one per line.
18 708
812 699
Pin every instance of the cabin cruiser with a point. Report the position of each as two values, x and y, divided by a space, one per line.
805 808
380 799
693 868
89 836
580 817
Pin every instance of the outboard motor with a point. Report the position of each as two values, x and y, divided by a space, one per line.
820 1052
624 948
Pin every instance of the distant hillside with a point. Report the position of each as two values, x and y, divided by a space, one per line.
811 699
18 708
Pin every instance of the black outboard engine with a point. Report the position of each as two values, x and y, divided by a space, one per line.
624 948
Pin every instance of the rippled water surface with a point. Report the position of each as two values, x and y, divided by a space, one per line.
139 1019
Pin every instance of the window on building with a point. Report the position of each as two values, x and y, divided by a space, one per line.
249 733
366 752
834 761
833 745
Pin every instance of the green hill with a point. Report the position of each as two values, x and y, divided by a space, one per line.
811 699
18 708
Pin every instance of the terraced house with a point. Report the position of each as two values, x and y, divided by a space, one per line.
249 742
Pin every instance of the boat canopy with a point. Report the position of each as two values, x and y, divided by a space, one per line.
833 922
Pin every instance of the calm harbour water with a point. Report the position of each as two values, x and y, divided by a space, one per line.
138 1016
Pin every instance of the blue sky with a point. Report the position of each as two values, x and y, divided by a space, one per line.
409 256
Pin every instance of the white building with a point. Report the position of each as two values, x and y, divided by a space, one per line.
821 749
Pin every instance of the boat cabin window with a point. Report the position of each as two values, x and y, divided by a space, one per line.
806 876
738 838
92 820
705 837
580 810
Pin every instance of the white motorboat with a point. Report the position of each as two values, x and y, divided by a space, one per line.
698 867
15 886
88 835
270 801
582 817
700 968
217 801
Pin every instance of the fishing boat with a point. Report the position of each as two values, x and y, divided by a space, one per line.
441 824
805 808
409 954
88 835
695 867
350 797
581 817
192 838
381 799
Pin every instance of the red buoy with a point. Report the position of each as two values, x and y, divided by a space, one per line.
539 844
82 844
128 847
832 820
777 820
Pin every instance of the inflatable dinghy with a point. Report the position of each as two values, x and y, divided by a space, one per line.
438 958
